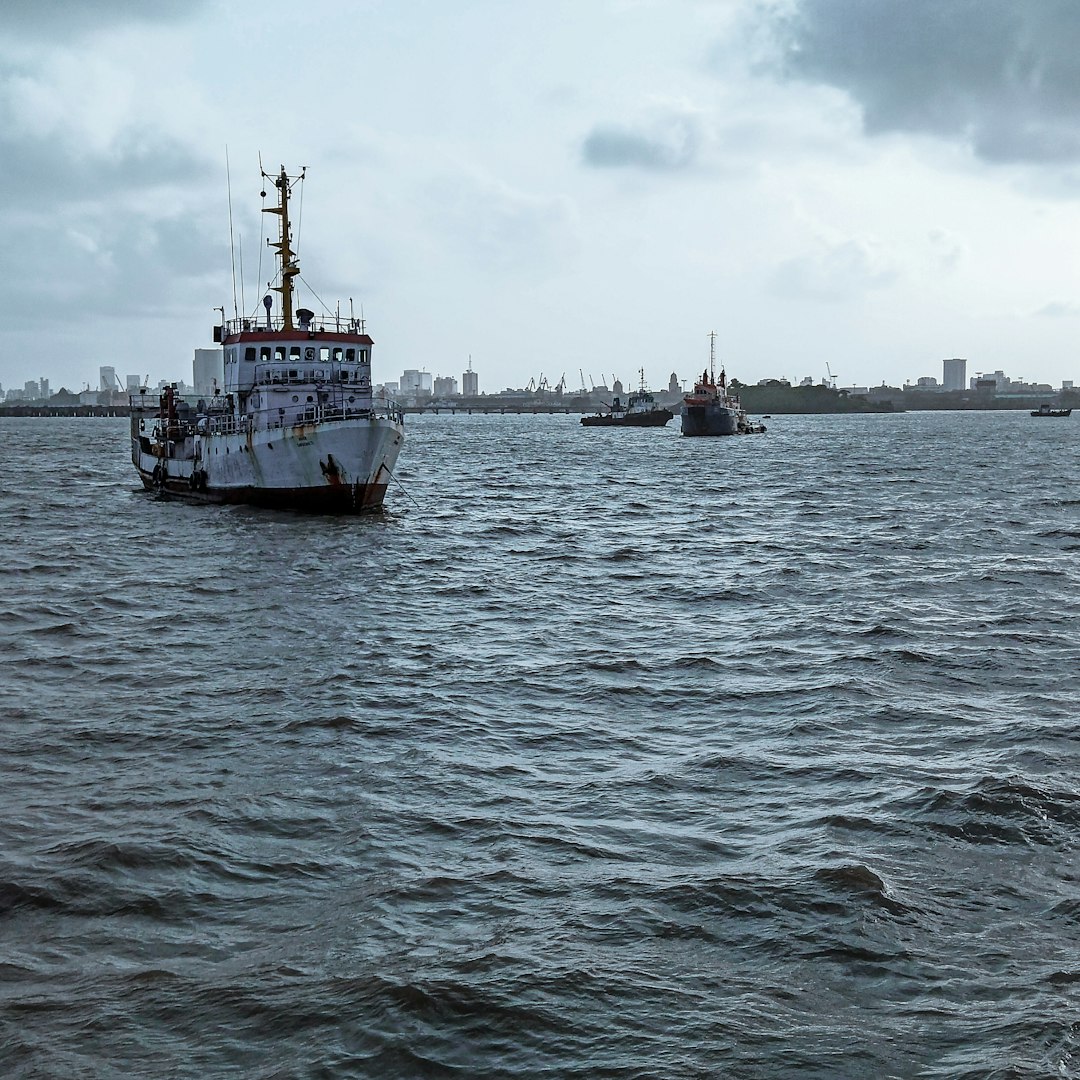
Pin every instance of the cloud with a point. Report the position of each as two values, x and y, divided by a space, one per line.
43 172
948 251
668 141
1000 75
498 228
1058 309
65 19
835 272
99 263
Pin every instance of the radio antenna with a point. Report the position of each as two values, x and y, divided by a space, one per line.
232 246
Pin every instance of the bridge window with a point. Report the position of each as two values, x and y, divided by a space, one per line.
337 355
294 354
264 354
249 354
324 354
350 355
279 352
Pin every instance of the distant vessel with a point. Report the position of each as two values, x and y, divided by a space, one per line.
1045 410
295 425
640 410
712 409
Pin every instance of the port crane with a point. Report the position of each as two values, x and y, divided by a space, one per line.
832 377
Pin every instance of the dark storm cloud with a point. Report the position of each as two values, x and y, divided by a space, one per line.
40 172
1003 75
70 18
668 144
108 263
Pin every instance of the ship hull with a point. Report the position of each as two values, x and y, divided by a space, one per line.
710 420
656 418
340 467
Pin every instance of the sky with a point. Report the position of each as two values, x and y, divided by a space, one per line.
549 188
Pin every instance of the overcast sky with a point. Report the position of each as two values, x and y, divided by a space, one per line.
551 186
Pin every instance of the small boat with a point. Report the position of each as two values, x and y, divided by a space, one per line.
297 425
640 410
1045 410
714 410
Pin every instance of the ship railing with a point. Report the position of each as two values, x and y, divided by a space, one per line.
321 324
328 414
224 424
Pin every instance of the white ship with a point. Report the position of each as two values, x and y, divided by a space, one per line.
295 424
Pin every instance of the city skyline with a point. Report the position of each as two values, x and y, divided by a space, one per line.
955 375
552 186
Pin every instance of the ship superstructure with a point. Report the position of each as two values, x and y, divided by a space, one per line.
295 424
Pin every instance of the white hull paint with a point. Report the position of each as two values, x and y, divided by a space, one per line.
343 465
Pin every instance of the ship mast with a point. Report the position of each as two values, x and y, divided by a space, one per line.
712 356
289 266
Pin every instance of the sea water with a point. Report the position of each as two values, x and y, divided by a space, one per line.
601 753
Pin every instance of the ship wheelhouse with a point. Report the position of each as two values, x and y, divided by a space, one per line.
282 376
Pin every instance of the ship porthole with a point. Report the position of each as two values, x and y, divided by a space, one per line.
296 397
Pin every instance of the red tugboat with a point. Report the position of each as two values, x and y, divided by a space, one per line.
711 409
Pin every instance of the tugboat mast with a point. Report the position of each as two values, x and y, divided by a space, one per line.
289 266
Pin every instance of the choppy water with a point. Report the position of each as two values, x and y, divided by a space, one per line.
614 754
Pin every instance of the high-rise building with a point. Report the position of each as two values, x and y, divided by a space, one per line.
133 384
955 374
43 389
415 382
107 380
470 382
209 371
445 386
31 390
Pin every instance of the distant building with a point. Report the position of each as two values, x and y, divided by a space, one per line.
1066 384
445 386
90 397
415 382
43 389
209 371
927 382
107 380
997 381
181 387
133 384
31 391
470 382
954 374
673 384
